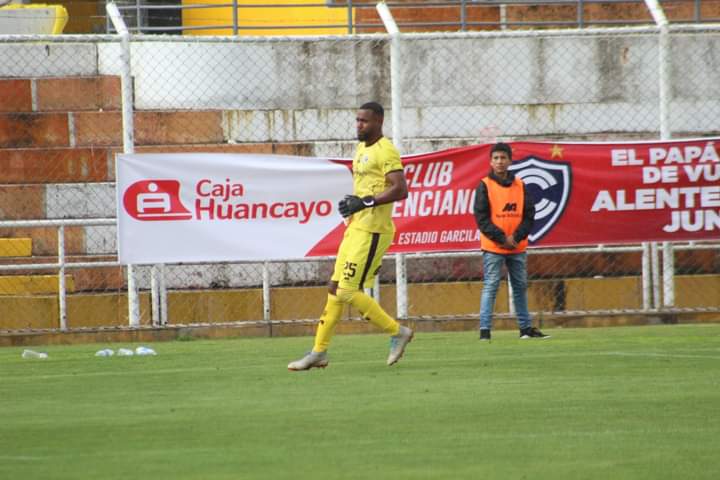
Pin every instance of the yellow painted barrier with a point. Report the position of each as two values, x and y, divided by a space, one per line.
282 19
15 247
459 299
33 284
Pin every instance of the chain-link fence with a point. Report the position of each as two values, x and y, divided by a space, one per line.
61 123
58 265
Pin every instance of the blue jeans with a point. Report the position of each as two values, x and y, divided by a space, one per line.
492 274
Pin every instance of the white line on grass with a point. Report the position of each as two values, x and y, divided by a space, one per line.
655 354
446 361
130 372
21 458
620 354
592 433
156 452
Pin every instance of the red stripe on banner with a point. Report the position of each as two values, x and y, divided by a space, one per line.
329 244
584 194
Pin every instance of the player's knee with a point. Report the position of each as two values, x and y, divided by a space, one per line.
345 295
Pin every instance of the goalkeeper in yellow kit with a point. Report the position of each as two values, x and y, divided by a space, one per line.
378 181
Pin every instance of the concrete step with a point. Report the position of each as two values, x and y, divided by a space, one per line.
104 128
84 310
96 164
55 165
306 149
44 241
97 279
60 94
15 247
15 95
23 130
33 284
151 127
78 93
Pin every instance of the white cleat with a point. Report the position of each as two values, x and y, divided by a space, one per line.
311 360
398 343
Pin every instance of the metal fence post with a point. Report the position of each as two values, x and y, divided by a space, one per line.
401 285
668 284
128 137
235 17
266 294
138 16
665 134
663 62
158 295
396 95
62 292
668 275
646 277
655 271
350 17
503 16
163 297
395 72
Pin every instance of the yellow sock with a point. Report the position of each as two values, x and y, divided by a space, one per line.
330 317
369 308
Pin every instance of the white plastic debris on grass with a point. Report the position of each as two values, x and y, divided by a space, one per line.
33 354
105 352
125 352
145 351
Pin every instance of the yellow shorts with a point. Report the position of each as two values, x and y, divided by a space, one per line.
359 258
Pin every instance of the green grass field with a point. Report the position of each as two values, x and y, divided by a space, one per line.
610 403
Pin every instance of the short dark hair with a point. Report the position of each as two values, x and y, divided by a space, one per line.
502 147
374 107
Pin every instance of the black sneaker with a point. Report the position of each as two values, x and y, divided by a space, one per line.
485 334
532 332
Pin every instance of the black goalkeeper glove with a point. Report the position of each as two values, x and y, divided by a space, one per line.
352 203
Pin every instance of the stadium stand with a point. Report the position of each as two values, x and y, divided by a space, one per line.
67 132
74 125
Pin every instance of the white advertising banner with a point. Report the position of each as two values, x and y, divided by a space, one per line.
225 207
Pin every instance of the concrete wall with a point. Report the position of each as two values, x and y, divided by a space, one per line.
47 59
305 90
532 86
263 75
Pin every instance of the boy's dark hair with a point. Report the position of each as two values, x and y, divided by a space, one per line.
502 147
374 107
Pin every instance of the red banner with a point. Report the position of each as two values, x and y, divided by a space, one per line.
584 194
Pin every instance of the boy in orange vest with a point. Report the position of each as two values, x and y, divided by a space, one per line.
504 213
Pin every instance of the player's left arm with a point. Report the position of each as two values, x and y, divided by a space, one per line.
396 190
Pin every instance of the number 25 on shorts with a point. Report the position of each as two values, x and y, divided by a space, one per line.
349 270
